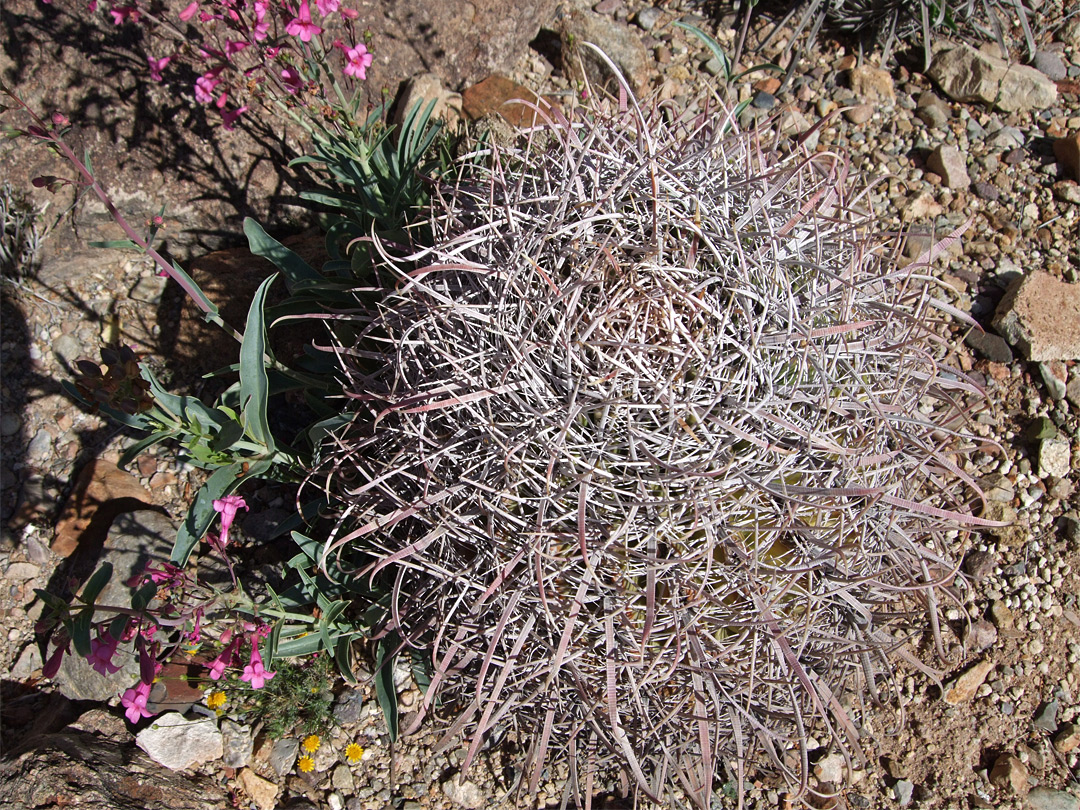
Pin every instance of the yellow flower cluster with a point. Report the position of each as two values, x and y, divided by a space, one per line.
215 700
311 743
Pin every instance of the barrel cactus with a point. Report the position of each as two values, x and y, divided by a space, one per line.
653 443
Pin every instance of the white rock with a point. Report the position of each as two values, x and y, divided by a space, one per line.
465 794
1054 458
177 743
965 74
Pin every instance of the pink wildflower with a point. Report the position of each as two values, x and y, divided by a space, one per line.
91 6
254 671
358 61
122 14
234 46
224 660
350 13
204 87
157 65
134 700
102 650
327 6
301 25
292 79
189 12
230 504
230 117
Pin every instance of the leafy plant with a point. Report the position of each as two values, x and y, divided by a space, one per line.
300 696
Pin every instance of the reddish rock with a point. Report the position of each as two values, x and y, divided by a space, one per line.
949 162
872 85
1067 152
102 491
1010 774
1040 316
514 102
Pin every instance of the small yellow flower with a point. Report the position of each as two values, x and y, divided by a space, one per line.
306 764
353 752
215 700
311 743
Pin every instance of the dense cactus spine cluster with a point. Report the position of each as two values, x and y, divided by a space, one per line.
654 444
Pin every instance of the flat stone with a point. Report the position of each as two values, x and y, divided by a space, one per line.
498 94
261 791
965 74
903 790
1050 64
921 206
176 743
1040 316
980 635
1067 738
830 769
860 113
149 289
342 779
283 755
21 571
1046 716
1056 377
1054 458
647 18
463 794
962 688
979 564
990 346
949 162
1006 138
1072 390
347 707
237 742
1044 798
1009 773
872 85
986 191
28 662
1067 191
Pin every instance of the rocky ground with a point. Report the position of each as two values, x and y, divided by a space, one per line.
1002 732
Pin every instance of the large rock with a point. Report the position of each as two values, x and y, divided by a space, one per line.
177 743
97 773
1040 316
621 45
966 74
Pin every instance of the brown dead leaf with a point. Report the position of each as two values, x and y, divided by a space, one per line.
102 491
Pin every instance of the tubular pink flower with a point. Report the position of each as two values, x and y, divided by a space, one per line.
102 650
301 25
254 671
291 79
189 12
230 117
122 14
157 65
204 87
230 504
234 46
327 6
358 61
219 664
134 700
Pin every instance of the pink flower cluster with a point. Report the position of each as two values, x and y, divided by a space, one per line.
254 673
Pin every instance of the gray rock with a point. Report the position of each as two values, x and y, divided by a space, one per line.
1050 64
979 564
149 289
21 571
986 191
10 424
68 349
176 743
965 74
903 791
1054 458
1046 716
979 635
424 89
647 18
1040 316
1067 191
342 779
283 755
1005 138
347 707
1072 390
987 344
463 794
1055 375
622 46
932 111
1044 798
237 742
28 661
949 162
40 446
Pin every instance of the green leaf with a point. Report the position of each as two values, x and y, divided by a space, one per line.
343 657
287 261
711 44
201 513
116 244
298 644
141 598
254 385
133 452
421 669
55 602
193 289
80 631
137 421
271 647
385 692
229 434
118 625
96 583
